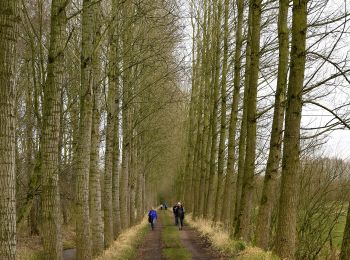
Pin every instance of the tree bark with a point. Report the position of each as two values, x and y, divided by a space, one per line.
9 17
109 152
267 200
115 169
243 224
221 153
50 196
83 239
213 123
287 217
228 199
97 232
235 207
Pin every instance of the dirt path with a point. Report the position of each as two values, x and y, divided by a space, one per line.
151 247
198 246
200 249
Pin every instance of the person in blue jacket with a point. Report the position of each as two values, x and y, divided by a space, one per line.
152 217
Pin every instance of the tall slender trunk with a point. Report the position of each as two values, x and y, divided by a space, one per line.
94 180
124 178
114 60
191 138
213 125
83 239
243 130
97 234
50 196
271 174
139 210
228 198
221 152
246 207
132 174
111 113
115 169
30 155
126 100
205 149
285 246
9 17
199 162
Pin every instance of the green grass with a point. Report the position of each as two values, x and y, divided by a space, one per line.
29 255
173 248
338 231
176 253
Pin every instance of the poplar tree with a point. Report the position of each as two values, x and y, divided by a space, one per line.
228 197
286 233
221 155
273 162
95 206
50 197
243 227
9 17
83 239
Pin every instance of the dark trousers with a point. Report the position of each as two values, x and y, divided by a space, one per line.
153 221
180 222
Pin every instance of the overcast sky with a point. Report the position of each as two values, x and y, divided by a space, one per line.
337 143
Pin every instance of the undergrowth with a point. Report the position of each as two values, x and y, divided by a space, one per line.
125 246
220 240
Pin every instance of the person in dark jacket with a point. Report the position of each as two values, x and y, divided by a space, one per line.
179 215
152 217
175 213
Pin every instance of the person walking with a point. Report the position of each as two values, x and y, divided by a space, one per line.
175 213
152 217
179 215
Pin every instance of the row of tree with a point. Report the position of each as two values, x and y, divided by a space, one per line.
90 100
284 59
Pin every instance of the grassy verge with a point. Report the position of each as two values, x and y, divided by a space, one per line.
221 241
173 248
125 246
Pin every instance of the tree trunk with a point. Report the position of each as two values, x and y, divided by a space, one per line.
235 207
126 100
213 123
287 217
50 196
83 239
97 233
246 207
94 181
109 152
221 153
271 174
115 169
228 199
9 17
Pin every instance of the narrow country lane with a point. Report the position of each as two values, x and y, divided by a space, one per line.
151 247
167 242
